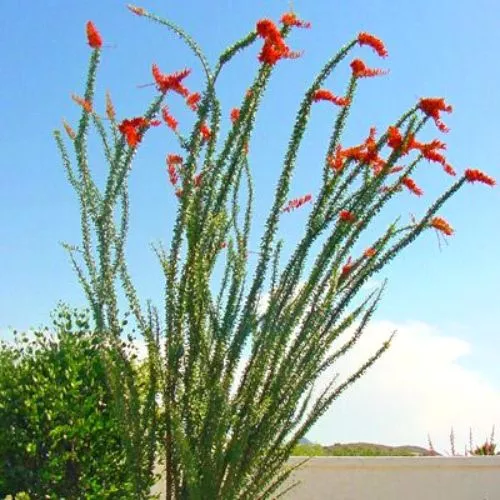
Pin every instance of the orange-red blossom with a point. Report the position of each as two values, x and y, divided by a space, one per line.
274 47
360 70
369 252
326 95
410 184
430 150
297 203
166 82
441 225
372 41
94 38
173 160
235 114
205 132
192 100
432 107
347 216
131 129
347 267
474 175
169 119
291 19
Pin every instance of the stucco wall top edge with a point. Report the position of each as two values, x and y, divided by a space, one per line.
390 462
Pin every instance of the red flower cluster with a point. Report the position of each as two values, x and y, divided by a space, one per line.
131 129
474 175
197 179
428 150
337 160
441 225
366 153
235 114
369 252
326 95
297 203
395 140
173 81
173 161
192 100
290 19
360 70
274 47
375 43
169 119
410 184
205 131
347 268
346 216
396 169
432 107
93 36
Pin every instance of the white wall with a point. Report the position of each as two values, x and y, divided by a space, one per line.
394 478
398 478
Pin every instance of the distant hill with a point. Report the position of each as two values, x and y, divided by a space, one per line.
361 450
371 449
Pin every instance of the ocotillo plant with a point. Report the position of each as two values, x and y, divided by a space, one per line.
226 432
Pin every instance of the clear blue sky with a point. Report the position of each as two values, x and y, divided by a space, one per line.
444 48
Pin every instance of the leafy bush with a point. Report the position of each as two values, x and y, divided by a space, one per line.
309 450
59 434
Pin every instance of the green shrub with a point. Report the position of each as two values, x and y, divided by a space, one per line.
309 450
59 435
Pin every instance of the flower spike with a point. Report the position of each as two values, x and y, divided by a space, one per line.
410 184
93 36
441 225
346 216
370 252
432 107
169 119
192 100
474 175
235 114
172 82
326 95
290 19
360 70
297 203
375 43
274 47
205 131
131 130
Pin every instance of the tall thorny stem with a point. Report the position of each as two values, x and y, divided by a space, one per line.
221 432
